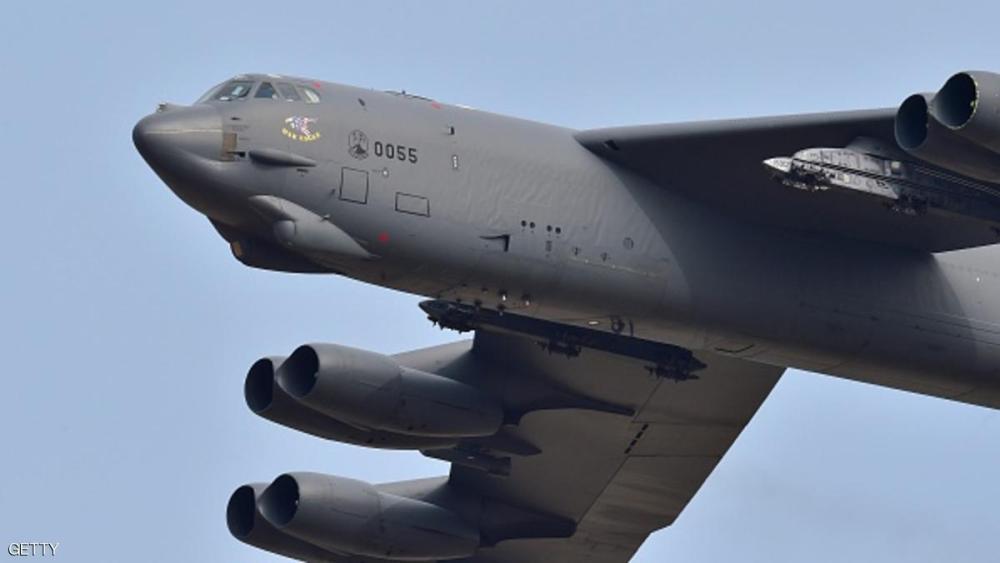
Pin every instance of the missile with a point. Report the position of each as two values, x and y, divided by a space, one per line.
821 169
901 185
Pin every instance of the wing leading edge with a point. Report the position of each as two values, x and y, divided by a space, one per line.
720 163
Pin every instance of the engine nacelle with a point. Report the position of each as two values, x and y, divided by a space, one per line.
969 104
919 133
373 391
268 400
958 128
248 525
345 515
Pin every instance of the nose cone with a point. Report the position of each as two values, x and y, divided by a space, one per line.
167 138
183 145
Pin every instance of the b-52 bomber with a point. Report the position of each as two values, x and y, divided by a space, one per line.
635 293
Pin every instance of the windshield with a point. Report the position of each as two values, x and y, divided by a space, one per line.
246 87
267 91
234 90
289 91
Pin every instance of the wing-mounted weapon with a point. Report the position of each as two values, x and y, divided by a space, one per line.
924 176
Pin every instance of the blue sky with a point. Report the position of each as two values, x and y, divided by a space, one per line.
127 327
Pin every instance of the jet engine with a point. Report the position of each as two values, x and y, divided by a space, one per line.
958 128
348 516
268 400
372 391
248 525
969 104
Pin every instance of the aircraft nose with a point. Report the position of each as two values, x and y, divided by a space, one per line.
173 133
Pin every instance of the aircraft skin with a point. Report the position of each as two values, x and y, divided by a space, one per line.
692 277
528 219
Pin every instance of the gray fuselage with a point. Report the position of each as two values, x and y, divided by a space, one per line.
506 213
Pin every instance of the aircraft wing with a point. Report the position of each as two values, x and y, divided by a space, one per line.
619 477
721 163
603 439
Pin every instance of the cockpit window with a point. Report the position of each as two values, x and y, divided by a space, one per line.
244 87
235 90
288 91
267 91
312 96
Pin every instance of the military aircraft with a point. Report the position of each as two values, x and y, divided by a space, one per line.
635 294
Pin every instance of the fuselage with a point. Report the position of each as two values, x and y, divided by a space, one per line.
509 214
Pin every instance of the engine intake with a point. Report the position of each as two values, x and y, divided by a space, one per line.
958 128
345 515
969 104
246 524
373 391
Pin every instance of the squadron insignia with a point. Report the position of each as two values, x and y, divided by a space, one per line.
299 128
357 144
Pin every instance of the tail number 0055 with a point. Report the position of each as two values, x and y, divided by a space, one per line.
396 152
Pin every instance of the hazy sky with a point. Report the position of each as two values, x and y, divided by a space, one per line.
127 327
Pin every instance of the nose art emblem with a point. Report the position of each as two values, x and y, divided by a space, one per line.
357 144
300 128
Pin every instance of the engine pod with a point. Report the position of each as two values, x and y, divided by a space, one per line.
969 104
247 524
373 391
268 400
919 133
345 515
